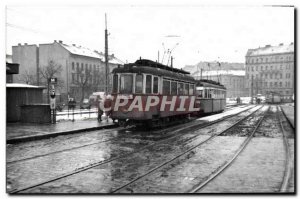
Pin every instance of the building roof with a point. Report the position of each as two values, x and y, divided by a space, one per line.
221 72
80 50
17 85
268 49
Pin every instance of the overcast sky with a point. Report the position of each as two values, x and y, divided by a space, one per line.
195 33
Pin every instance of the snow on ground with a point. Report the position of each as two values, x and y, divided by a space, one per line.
78 115
224 114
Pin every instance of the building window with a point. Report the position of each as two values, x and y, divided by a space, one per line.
256 68
280 75
280 84
73 66
266 76
266 84
271 67
252 68
73 78
262 68
266 59
287 92
77 66
271 84
94 67
81 66
266 67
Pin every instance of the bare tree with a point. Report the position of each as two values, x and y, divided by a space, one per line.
51 70
28 77
84 82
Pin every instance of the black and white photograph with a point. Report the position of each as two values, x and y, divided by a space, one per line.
145 99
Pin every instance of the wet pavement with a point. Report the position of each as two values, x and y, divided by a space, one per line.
106 160
115 173
15 131
258 169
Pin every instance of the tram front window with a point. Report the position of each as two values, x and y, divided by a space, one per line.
126 83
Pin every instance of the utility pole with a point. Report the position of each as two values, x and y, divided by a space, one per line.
171 61
251 89
106 57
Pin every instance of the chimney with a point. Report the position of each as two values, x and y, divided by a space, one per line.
60 41
74 45
281 44
19 44
54 41
267 46
25 44
292 43
113 55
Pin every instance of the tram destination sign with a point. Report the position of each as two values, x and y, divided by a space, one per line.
52 80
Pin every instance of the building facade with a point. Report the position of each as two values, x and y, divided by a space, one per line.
233 80
81 70
270 69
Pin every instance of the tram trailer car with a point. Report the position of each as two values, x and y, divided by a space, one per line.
212 96
145 78
273 98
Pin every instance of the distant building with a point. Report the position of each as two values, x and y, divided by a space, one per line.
79 66
231 75
270 69
233 80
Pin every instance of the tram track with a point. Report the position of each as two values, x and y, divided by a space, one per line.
179 132
228 163
288 161
163 131
184 153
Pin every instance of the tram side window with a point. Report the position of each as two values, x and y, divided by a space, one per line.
180 89
139 83
166 87
148 84
115 84
200 93
186 89
173 88
126 82
155 84
209 93
205 93
191 90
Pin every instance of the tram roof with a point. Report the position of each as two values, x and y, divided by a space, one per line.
209 83
150 63
148 66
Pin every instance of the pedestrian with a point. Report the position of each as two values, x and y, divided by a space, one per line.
100 111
